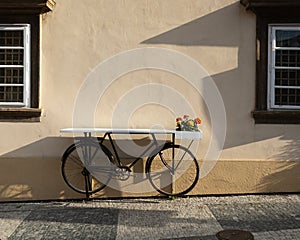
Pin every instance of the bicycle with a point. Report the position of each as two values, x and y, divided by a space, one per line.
170 162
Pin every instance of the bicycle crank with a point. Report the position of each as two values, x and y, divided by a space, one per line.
122 173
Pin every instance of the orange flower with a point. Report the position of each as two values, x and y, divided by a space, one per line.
186 123
198 120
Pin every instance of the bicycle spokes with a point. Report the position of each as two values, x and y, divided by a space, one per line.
172 160
86 167
173 171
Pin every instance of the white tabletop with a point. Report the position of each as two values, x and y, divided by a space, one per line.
178 134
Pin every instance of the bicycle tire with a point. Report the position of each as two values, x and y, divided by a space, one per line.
79 167
173 176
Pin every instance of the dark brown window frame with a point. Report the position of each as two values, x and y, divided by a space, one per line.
270 12
33 7
26 12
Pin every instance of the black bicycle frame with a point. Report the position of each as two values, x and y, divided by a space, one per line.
108 135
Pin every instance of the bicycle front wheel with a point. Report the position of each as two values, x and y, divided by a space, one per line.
87 167
173 171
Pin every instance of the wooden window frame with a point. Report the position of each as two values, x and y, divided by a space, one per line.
26 12
270 12
13 113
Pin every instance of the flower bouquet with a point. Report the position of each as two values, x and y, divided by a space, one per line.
187 124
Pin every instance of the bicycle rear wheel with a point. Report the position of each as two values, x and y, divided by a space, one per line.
87 167
173 171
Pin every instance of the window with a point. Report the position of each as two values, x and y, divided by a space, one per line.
20 58
19 67
284 67
277 61
15 65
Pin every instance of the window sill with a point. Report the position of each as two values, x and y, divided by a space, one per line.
20 114
276 117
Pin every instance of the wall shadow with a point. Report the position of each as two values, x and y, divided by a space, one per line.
34 171
285 175
209 31
204 31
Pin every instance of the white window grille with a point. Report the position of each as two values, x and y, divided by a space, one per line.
15 65
284 67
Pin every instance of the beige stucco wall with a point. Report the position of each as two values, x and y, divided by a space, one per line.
219 35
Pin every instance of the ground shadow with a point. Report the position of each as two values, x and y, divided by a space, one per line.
258 217
84 222
90 223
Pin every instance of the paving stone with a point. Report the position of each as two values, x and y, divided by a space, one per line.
68 223
266 216
9 221
258 217
170 224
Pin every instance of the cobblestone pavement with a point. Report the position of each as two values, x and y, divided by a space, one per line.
268 217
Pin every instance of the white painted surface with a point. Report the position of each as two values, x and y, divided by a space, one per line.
178 134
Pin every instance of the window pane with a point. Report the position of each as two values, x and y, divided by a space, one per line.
11 56
11 94
287 38
287 58
289 97
11 75
287 77
14 61
11 38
